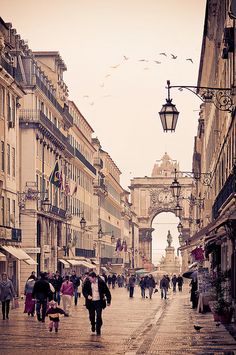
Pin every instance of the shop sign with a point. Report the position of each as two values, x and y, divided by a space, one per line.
32 250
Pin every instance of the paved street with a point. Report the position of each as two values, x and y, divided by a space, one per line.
131 326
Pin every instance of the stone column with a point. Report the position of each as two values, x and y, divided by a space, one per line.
145 240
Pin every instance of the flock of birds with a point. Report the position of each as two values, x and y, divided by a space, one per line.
142 60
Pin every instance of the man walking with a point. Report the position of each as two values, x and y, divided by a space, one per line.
174 281
164 285
41 292
96 294
76 282
131 286
180 282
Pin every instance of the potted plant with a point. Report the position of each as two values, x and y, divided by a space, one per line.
221 308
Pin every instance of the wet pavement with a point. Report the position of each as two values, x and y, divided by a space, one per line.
131 326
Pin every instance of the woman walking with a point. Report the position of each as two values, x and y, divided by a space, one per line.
29 303
7 293
67 291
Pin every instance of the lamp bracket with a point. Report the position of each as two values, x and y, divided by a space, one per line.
220 97
204 178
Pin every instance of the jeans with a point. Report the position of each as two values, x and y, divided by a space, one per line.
131 291
5 308
76 295
96 310
150 292
164 292
57 297
143 292
41 304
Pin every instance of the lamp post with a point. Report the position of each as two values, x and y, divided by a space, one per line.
101 233
221 98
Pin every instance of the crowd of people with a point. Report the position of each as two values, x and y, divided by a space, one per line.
44 294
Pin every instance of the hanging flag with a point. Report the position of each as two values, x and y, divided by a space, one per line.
118 245
55 177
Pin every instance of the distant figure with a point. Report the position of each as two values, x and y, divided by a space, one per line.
54 313
131 286
41 292
7 294
164 284
29 302
113 280
142 285
180 282
151 284
193 293
109 281
174 282
67 291
76 282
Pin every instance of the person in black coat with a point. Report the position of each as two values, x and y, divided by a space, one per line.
96 295
41 292
76 282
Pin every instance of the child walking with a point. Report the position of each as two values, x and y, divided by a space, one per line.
54 313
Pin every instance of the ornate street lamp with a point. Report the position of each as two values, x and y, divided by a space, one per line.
175 187
178 210
82 223
46 204
221 98
180 239
169 113
180 227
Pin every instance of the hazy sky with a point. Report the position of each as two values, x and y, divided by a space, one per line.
104 43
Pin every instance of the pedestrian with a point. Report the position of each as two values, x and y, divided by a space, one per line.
7 294
97 295
151 284
142 285
76 282
193 292
104 276
67 291
180 282
174 282
164 285
54 315
29 302
57 282
131 286
41 293
113 280
109 281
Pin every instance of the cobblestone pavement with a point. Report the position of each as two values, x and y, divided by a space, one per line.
131 326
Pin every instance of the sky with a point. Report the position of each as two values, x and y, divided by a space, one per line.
116 74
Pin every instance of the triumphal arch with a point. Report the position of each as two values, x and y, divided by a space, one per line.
152 195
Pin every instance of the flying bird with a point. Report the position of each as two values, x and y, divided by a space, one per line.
125 58
190 60
143 60
114 66
173 56
106 76
197 328
163 54
156 61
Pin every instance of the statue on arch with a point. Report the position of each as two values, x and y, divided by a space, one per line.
169 239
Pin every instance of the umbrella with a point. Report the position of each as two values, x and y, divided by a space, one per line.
190 274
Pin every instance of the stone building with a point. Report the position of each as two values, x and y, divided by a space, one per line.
10 95
215 147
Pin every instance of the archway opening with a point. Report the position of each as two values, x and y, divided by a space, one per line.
162 223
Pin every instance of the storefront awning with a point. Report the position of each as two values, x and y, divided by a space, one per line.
64 262
2 257
73 262
30 261
104 268
18 253
88 264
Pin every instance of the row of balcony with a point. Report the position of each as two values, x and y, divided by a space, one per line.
86 253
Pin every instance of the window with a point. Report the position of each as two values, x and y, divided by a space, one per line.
2 156
9 112
13 212
2 101
13 162
2 211
8 212
8 159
